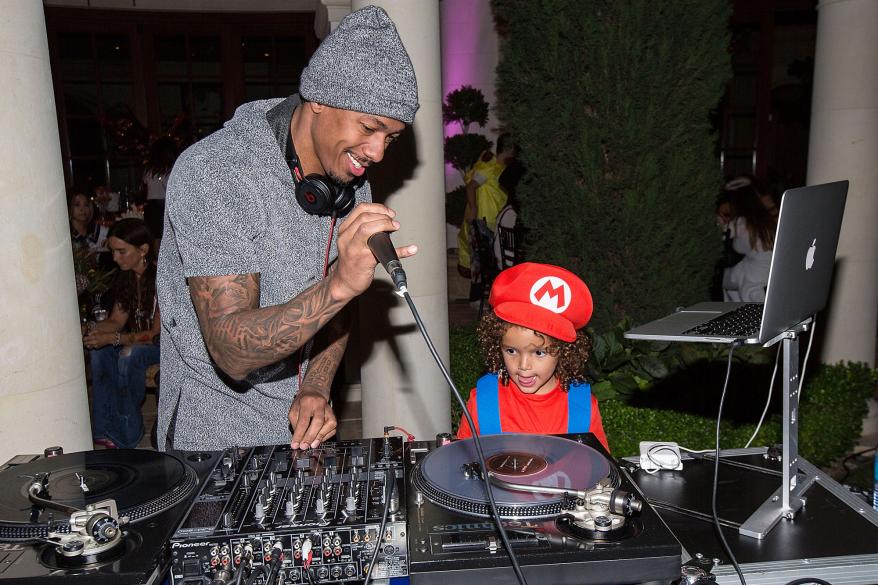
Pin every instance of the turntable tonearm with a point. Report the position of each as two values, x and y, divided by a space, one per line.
571 514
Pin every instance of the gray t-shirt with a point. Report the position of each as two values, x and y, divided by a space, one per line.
231 209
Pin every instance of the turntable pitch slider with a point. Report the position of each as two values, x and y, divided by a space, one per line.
92 531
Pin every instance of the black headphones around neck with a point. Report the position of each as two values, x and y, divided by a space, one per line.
317 194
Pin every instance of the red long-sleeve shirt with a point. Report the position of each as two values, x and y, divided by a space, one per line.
544 414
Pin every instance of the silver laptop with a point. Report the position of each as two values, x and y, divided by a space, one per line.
798 282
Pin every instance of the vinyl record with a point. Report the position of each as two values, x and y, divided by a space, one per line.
143 483
528 459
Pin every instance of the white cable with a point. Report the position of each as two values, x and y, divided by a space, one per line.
774 374
657 463
652 461
807 355
767 400
697 452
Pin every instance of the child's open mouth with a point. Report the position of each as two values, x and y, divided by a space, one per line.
526 381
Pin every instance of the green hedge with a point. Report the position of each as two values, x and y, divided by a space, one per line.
832 407
467 365
609 102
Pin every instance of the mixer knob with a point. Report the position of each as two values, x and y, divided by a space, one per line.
228 520
259 512
320 507
289 509
443 439
350 504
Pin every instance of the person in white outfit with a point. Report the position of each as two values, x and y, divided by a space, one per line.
751 228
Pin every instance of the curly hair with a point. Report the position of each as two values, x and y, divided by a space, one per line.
572 356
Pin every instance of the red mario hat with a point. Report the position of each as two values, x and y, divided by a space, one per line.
542 297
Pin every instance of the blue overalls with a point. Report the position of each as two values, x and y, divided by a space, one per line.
488 405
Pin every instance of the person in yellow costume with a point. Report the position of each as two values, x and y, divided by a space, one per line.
484 197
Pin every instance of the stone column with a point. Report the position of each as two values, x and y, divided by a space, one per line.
401 383
844 145
328 15
43 399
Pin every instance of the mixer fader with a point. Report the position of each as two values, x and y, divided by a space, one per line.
297 516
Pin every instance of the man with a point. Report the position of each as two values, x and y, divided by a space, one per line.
252 331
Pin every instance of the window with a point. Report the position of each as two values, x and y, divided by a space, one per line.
98 94
125 77
272 65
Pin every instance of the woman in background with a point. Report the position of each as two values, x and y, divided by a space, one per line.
84 230
751 228
122 347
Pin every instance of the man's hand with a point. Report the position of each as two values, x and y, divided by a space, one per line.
312 420
355 267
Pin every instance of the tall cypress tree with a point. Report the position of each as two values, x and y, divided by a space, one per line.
609 101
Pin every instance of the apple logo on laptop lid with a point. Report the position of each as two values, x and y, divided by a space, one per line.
809 257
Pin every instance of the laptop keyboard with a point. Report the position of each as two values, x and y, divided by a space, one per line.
742 322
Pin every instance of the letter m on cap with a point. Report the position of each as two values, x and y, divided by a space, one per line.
552 293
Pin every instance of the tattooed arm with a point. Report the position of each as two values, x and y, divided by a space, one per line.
310 415
241 336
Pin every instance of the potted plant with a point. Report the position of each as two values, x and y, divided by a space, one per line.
464 106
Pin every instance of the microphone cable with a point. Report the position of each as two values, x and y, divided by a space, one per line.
499 522
332 220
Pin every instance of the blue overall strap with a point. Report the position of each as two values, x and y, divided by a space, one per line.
578 408
488 405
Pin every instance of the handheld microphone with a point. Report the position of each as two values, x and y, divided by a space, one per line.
384 251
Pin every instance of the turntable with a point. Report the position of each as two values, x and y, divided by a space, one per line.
93 517
572 516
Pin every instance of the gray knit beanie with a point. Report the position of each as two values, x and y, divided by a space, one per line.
363 66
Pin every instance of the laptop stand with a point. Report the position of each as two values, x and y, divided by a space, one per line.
788 500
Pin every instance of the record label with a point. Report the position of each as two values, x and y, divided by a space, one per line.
512 464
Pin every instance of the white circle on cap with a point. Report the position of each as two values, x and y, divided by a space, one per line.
552 293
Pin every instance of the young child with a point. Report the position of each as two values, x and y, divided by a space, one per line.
536 351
